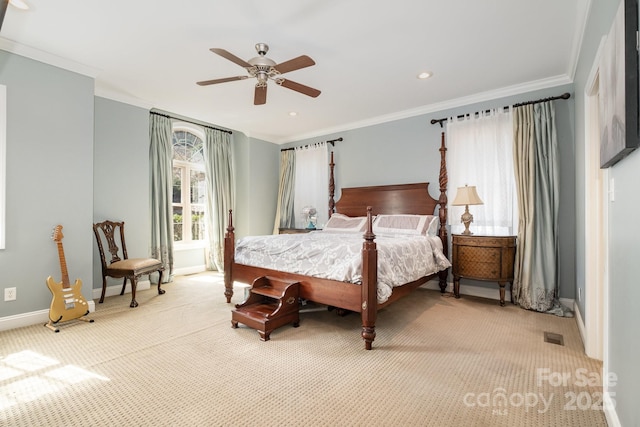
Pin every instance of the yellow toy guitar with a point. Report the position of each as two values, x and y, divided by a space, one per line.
68 302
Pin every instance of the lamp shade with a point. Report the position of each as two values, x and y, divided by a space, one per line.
467 196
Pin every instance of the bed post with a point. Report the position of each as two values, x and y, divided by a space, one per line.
369 307
229 253
332 188
442 201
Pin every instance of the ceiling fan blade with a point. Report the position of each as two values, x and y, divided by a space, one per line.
226 79
4 4
260 96
306 90
231 57
295 64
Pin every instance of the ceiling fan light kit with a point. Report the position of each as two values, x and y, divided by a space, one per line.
264 69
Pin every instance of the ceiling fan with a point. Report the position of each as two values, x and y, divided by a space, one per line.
263 69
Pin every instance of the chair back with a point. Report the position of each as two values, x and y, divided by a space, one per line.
111 233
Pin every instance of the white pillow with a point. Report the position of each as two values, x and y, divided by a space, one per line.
432 228
339 222
415 225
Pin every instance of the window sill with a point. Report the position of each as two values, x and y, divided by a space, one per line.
188 246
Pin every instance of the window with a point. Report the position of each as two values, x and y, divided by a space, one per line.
480 152
189 190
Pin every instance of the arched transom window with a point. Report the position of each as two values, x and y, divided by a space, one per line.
189 191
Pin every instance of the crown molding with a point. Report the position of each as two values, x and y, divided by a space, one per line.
120 97
439 106
47 58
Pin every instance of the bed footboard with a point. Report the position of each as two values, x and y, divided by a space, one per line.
323 291
369 283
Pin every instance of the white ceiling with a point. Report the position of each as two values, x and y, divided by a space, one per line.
151 53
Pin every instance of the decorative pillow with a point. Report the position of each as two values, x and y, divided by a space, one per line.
432 228
406 224
339 222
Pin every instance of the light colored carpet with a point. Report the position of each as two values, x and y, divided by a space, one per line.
176 361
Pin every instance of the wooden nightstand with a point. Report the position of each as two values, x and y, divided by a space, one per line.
489 258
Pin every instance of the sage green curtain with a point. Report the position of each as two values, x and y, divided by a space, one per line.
535 155
160 155
218 163
285 215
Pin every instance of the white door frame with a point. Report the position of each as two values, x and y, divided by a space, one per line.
596 207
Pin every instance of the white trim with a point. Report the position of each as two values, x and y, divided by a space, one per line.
113 95
583 12
3 163
595 232
31 318
115 289
609 406
178 124
596 260
187 246
431 108
471 290
484 292
189 270
47 58
580 323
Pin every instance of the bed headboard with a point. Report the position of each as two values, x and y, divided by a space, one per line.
387 199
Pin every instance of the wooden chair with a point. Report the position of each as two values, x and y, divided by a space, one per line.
120 265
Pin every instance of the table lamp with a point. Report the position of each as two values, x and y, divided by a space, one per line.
464 197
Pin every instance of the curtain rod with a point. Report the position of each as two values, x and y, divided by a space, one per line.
565 95
195 122
332 141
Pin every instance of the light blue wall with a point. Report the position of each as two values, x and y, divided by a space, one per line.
122 162
257 171
49 179
600 19
121 176
406 151
624 268
264 170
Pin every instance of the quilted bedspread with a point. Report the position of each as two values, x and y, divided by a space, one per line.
337 256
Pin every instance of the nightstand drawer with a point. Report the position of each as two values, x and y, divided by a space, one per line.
479 270
473 254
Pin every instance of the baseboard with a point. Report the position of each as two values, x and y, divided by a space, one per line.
189 270
489 293
115 289
42 316
31 318
610 411
570 303
608 403
471 290
581 328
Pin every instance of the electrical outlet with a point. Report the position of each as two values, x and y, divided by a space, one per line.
9 294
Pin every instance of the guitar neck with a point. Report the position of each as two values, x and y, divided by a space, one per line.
63 265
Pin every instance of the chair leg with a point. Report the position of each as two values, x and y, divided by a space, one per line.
134 284
104 289
160 290
124 286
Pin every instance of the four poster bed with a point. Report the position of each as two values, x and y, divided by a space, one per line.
360 292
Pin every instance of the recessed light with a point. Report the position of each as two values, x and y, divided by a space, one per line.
425 75
293 113
19 4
